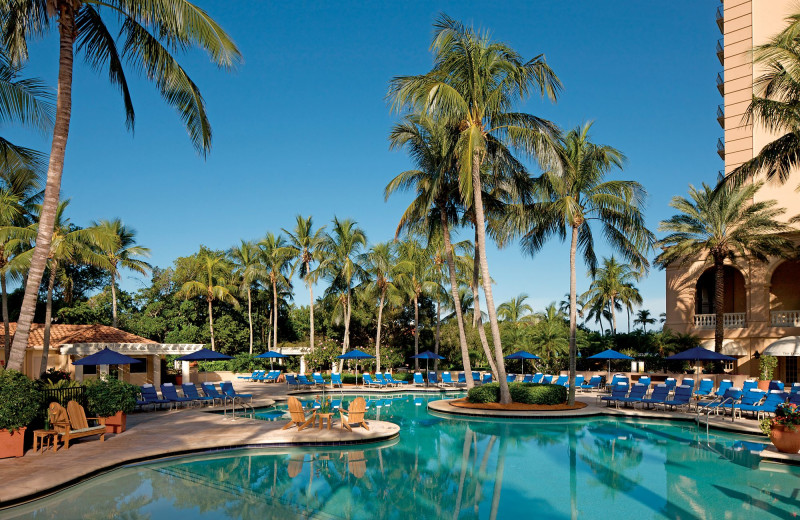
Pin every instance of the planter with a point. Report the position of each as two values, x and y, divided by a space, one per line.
12 443
763 385
786 441
116 423
178 380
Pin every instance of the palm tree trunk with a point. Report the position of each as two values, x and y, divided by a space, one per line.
275 313
719 303
48 316
44 236
612 304
416 331
250 318
477 319
438 334
113 303
211 324
480 225
346 340
269 329
573 316
378 333
462 335
311 315
6 326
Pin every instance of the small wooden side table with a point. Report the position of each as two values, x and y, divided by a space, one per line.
42 438
322 417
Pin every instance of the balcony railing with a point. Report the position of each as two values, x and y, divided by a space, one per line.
721 116
721 19
720 52
731 320
720 84
785 318
721 148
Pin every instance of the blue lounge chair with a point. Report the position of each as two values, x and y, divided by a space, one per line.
447 380
705 388
336 380
371 382
547 379
749 384
487 378
336 404
318 379
251 377
190 391
681 399
396 382
795 389
462 378
476 377
303 380
562 380
510 378
382 380
593 384
636 394
227 389
418 381
291 381
433 378
537 377
618 391
150 397
750 397
775 385
722 388
211 391
690 383
578 380
768 406
618 378
644 380
731 395
272 377
794 399
659 396
671 383
527 378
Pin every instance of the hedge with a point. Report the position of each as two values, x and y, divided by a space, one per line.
525 393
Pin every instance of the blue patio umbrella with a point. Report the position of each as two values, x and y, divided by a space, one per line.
609 355
698 354
523 355
271 355
107 357
427 355
204 355
355 354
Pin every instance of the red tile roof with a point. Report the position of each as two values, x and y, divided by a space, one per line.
61 334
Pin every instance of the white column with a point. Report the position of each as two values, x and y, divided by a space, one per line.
102 371
185 372
78 372
156 371
302 364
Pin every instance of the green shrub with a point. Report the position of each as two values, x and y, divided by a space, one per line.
19 400
525 393
105 397
488 393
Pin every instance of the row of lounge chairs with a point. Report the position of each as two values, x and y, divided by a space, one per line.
262 376
191 395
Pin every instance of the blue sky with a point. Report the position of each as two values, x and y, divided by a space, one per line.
302 125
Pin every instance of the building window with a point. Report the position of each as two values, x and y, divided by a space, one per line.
139 368
791 370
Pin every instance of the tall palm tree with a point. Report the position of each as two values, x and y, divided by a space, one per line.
122 254
644 318
276 257
719 226
612 287
307 246
474 83
212 274
71 245
776 95
149 36
430 143
341 265
250 271
515 310
414 277
575 194
380 265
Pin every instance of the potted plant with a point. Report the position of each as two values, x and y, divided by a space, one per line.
112 399
784 429
767 365
19 403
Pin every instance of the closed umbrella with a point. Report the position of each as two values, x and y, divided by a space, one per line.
272 355
355 354
523 355
427 355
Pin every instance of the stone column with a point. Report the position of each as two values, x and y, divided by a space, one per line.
78 372
302 364
187 375
156 370
102 371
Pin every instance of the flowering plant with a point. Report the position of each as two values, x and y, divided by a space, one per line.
786 414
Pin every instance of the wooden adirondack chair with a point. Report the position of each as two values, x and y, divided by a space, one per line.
355 414
72 423
298 415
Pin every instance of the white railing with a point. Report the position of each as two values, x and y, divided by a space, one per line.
731 320
785 318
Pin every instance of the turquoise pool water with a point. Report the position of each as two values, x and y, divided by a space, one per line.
443 467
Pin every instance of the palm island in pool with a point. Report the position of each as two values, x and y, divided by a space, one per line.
543 297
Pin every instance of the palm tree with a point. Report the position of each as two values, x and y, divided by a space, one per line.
342 248
276 257
719 226
212 273
549 337
122 255
474 84
611 287
434 211
250 271
380 264
776 95
307 247
414 277
515 310
575 194
150 34
644 318
71 245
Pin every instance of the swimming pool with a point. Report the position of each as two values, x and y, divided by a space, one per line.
441 467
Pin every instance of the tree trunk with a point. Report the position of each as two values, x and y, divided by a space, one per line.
719 302
611 305
346 340
275 313
438 335
378 334
269 329
628 312
573 316
6 327
250 318
55 168
480 225
211 324
311 316
113 302
477 319
48 316
416 331
462 335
